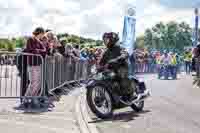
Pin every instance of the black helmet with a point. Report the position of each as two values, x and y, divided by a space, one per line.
113 38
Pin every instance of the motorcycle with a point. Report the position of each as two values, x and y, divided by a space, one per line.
102 100
167 71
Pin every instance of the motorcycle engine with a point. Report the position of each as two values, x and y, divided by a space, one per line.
116 87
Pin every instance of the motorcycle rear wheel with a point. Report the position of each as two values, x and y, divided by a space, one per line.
94 101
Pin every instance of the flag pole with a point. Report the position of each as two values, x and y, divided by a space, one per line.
196 25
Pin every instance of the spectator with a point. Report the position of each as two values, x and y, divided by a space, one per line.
76 51
91 56
83 55
145 61
35 46
98 55
195 59
61 48
188 61
150 63
173 65
53 43
73 56
45 42
69 53
54 68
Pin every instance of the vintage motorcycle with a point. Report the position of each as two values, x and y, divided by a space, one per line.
103 100
167 71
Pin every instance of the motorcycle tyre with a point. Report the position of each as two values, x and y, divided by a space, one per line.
94 109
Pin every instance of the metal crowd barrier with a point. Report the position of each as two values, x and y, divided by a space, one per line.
145 68
153 68
22 73
16 75
61 70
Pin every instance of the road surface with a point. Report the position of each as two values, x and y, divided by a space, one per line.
174 107
62 119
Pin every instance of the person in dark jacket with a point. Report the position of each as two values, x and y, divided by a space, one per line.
36 47
195 59
114 53
115 58
61 48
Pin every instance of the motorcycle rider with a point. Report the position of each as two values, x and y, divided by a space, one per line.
115 58
166 59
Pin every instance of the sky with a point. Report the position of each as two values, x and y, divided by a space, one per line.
89 18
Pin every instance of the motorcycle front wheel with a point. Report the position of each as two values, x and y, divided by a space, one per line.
100 102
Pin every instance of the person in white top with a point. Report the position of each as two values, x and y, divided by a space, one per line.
166 59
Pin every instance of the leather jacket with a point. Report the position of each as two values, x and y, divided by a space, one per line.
116 57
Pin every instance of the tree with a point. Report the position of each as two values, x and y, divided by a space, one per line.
148 36
20 42
99 43
2 45
140 42
82 40
168 36
184 36
10 46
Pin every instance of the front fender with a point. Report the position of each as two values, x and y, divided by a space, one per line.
92 83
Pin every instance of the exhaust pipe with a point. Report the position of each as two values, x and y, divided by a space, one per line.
144 97
141 97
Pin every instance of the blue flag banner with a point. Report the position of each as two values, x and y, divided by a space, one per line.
128 37
196 29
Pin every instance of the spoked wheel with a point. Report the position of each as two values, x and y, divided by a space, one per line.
100 102
138 106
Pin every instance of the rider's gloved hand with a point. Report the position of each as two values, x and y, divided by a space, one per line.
112 61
